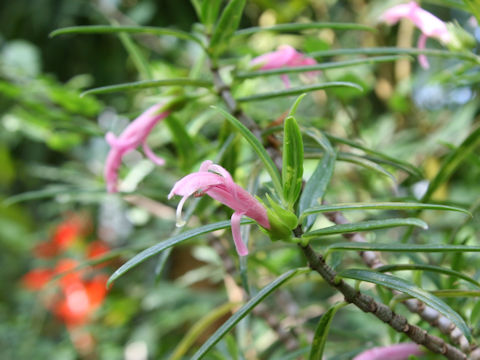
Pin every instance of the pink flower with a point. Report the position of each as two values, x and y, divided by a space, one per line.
285 56
135 134
217 183
429 25
392 352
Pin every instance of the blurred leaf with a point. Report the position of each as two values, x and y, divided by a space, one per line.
396 283
226 26
146 84
292 169
48 192
368 164
366 226
183 142
165 244
321 332
210 10
322 66
299 90
258 148
296 27
381 206
107 29
348 246
453 161
432 268
245 310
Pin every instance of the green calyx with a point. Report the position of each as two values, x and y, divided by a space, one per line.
282 222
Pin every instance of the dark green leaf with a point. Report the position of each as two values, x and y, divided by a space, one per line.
107 29
292 169
321 333
258 148
298 90
296 27
244 310
175 240
366 226
422 267
226 26
148 84
396 283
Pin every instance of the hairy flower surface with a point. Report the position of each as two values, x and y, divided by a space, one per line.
285 56
217 183
133 136
392 352
429 25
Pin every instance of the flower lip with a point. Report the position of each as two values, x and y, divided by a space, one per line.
216 182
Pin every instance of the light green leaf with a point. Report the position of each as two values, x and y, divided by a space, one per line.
49 192
423 267
366 226
296 27
137 85
349 246
381 206
368 164
298 90
323 66
226 26
210 10
258 148
292 169
396 283
107 29
321 332
245 309
175 240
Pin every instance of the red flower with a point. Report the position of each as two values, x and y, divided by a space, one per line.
36 279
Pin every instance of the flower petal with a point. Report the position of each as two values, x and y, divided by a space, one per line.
151 155
237 236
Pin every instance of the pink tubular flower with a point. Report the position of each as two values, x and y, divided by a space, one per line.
392 352
285 56
134 135
429 25
217 183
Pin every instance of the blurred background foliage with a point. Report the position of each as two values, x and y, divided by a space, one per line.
52 153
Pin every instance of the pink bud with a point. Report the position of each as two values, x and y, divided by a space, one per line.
392 352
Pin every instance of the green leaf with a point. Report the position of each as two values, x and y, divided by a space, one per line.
146 84
183 142
316 185
107 29
49 192
298 90
210 10
405 166
226 26
366 226
381 206
323 66
452 162
292 169
321 332
244 310
296 27
258 148
349 246
396 51
432 268
396 283
368 164
175 240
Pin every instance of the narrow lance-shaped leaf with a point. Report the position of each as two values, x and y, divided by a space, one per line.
227 24
366 226
399 247
292 169
423 267
244 310
137 85
381 206
317 184
321 333
299 90
210 10
295 27
258 148
363 162
175 240
396 283
107 29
